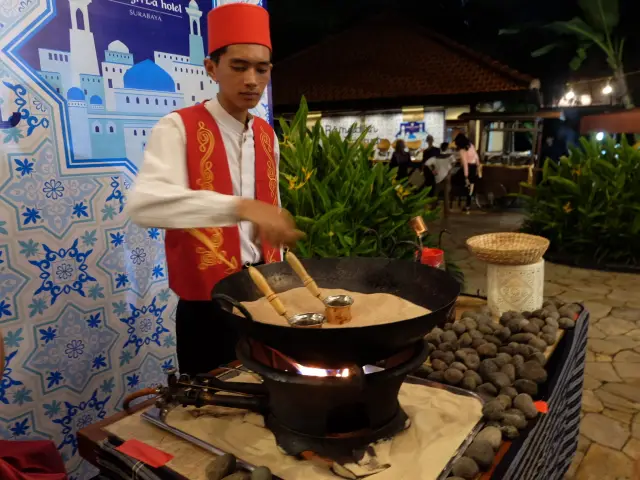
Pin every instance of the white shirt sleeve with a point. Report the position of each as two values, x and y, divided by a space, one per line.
161 196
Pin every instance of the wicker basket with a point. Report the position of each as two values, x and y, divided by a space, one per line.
508 248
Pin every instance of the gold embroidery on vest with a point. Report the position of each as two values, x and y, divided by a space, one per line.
206 144
271 165
211 253
272 256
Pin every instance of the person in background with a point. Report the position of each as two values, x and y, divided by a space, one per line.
210 178
401 159
441 164
431 150
469 160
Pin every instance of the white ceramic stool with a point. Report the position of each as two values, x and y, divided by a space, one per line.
515 287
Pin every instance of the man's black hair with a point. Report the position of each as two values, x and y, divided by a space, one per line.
216 55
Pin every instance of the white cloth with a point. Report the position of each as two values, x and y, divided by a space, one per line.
441 166
161 197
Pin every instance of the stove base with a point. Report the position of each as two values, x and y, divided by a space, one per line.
343 448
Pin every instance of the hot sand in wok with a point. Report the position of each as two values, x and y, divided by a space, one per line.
368 308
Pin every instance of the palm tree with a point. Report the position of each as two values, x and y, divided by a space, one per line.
595 28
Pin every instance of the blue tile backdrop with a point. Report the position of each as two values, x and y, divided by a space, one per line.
84 303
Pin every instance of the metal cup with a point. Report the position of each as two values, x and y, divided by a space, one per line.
338 309
307 320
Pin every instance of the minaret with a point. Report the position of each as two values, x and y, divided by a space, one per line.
196 46
84 58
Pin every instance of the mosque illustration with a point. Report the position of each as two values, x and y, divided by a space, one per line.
113 109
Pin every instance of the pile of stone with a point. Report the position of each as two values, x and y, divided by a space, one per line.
504 363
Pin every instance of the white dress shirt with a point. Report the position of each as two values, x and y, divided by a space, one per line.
161 196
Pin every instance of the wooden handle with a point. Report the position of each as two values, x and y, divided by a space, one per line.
264 287
206 241
303 274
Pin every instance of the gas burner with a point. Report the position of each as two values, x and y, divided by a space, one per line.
335 413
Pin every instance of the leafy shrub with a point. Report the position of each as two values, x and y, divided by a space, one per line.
588 205
344 204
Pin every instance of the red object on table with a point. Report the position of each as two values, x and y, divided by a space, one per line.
145 453
434 257
37 460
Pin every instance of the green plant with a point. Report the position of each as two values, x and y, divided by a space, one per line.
345 205
588 204
600 18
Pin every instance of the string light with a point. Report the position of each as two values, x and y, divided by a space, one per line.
608 89
570 95
585 99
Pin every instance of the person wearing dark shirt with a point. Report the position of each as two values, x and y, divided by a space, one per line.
431 150
401 159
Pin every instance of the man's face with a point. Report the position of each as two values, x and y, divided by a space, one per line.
242 73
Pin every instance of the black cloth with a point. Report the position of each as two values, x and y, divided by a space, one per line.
402 160
430 153
473 177
204 341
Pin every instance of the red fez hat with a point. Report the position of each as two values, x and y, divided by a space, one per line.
237 23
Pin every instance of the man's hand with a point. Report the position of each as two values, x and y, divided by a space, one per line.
274 224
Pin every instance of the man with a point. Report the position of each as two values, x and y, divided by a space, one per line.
431 150
210 177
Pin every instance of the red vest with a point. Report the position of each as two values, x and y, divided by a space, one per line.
197 259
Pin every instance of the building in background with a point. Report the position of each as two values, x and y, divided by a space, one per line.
397 78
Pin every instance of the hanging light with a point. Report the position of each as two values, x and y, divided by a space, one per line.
585 99
607 90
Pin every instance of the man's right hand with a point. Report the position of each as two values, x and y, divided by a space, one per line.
275 224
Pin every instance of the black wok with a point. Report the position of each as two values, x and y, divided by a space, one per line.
422 285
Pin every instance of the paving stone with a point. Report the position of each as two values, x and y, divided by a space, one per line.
591 383
622 417
603 358
575 464
628 371
597 310
635 334
632 448
604 430
583 443
591 403
595 332
625 313
603 372
553 289
612 326
611 345
594 289
629 392
571 296
627 356
619 295
635 426
602 463
615 402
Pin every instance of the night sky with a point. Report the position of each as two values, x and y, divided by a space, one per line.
476 23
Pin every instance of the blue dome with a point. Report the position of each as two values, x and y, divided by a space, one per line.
146 75
76 94
95 100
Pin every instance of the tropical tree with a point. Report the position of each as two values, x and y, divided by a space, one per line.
595 28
